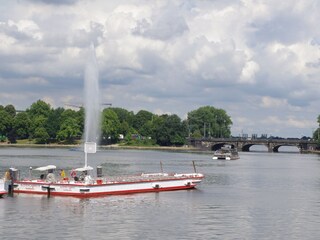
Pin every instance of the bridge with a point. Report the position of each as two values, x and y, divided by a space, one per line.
273 145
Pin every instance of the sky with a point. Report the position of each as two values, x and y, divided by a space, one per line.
259 60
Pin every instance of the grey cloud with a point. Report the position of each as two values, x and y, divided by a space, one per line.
313 64
284 27
165 24
55 2
13 31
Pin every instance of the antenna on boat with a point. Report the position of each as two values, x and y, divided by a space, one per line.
194 167
161 167
89 147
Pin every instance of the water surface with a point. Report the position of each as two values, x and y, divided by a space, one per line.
260 196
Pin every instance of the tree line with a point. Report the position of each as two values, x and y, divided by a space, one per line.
40 123
316 133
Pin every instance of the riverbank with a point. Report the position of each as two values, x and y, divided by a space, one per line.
184 148
113 146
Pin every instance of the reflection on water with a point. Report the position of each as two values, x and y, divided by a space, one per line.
260 196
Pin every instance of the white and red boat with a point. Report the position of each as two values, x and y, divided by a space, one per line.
84 185
100 186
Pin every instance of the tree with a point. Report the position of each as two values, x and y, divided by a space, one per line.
211 122
124 115
5 124
169 130
41 135
316 134
69 130
70 126
37 122
53 122
38 114
147 128
11 110
126 119
141 118
39 108
110 126
21 124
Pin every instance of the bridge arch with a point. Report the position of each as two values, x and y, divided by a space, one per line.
276 147
246 147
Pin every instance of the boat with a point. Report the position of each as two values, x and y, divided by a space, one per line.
226 152
80 183
85 185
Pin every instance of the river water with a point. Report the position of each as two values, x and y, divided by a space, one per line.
260 196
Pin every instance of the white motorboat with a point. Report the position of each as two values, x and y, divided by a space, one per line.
226 153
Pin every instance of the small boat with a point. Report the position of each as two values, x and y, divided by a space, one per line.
80 183
226 153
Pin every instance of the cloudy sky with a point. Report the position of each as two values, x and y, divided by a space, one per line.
257 59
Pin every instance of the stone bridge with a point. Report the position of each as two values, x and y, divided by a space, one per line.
244 145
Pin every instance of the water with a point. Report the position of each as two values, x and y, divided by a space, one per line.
260 196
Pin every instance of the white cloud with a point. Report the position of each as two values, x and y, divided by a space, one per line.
248 72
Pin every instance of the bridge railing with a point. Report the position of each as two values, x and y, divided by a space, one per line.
257 140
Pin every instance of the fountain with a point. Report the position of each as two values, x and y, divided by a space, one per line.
92 104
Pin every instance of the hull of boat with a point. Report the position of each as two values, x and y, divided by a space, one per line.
103 187
224 158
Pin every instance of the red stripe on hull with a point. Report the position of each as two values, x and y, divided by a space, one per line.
98 194
3 193
113 183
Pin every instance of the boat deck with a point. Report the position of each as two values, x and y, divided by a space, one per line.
149 177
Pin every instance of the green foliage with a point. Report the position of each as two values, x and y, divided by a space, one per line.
169 130
211 122
41 135
316 134
196 134
69 130
110 126
11 110
53 122
141 118
21 124
39 108
2 138
6 121
44 124
126 119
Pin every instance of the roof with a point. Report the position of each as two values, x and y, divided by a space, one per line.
45 168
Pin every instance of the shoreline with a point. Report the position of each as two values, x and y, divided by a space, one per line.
117 146
113 146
